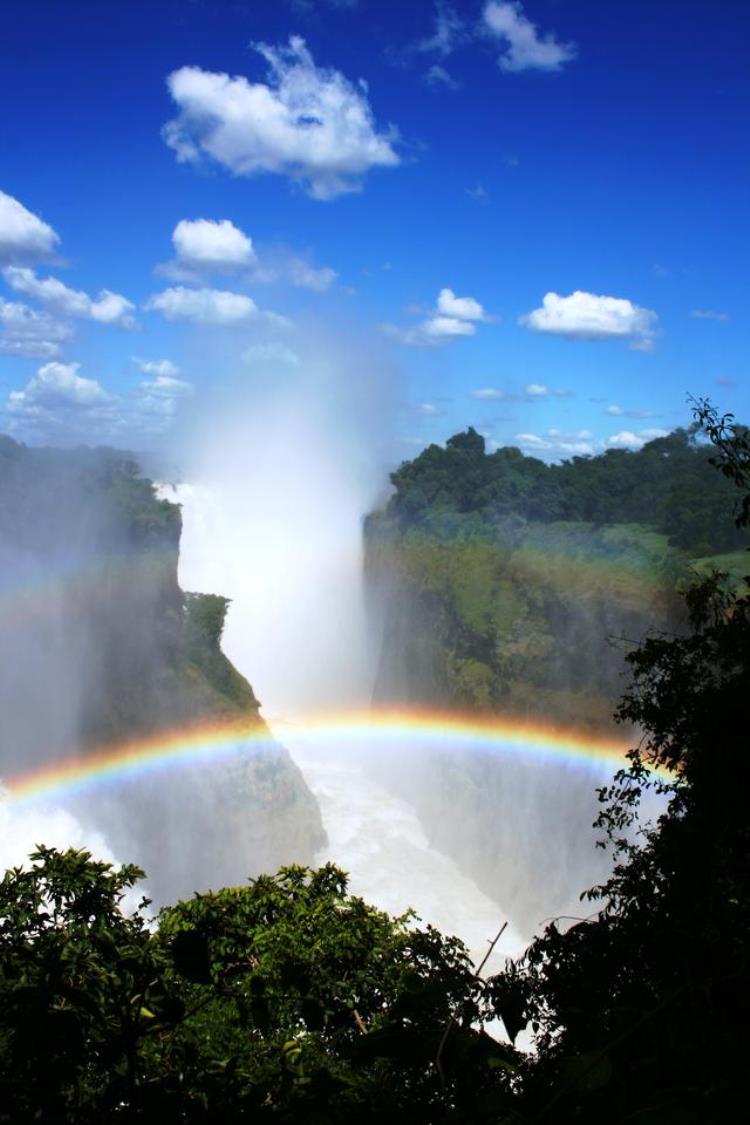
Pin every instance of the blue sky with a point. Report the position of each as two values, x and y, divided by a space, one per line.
535 213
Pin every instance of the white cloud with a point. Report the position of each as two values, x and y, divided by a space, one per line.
24 237
157 367
708 314
555 443
208 245
523 47
203 306
212 244
29 334
541 390
167 385
452 317
464 308
56 387
446 326
308 123
626 439
106 308
427 408
616 411
586 316
488 394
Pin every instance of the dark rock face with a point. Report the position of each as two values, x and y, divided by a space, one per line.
99 646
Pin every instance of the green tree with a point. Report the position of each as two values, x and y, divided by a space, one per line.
287 1000
639 1010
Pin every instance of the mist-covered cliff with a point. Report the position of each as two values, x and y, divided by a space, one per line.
509 587
99 645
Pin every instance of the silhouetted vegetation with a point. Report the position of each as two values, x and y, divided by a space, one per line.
287 1000
639 1010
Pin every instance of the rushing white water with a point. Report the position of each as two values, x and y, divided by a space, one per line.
373 835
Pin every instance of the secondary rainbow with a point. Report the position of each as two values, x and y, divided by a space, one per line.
205 746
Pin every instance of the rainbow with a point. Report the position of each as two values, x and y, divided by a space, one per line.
206 745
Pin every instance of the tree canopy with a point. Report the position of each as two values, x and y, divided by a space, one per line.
668 484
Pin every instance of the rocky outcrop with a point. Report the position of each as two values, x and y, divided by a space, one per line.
100 646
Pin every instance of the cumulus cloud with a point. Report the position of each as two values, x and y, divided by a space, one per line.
106 308
24 237
58 404
555 443
464 308
452 317
447 326
204 246
56 388
29 334
308 123
586 316
212 244
523 47
626 439
203 306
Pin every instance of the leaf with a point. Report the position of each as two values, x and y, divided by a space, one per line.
590 1071
190 954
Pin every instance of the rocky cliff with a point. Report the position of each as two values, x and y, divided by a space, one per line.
99 645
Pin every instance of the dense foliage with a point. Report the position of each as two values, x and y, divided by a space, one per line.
640 1009
286 1000
668 485
490 570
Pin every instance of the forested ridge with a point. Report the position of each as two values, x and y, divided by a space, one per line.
667 485
491 570
289 1000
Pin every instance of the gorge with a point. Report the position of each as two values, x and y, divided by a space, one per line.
445 610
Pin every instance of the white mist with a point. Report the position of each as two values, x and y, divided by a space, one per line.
272 518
